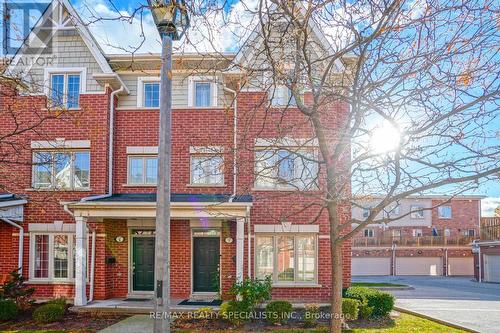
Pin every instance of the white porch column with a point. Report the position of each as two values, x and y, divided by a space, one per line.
81 261
240 242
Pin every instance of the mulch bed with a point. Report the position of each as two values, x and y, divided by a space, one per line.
74 322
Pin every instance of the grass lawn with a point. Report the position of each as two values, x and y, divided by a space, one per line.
376 284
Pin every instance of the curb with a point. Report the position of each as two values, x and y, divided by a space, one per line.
393 288
440 321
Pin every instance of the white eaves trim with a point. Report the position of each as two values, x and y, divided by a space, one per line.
142 150
140 88
295 228
60 144
204 78
286 142
57 226
206 150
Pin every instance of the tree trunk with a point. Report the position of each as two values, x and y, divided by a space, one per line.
336 297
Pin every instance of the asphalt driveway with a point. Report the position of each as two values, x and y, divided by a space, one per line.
457 300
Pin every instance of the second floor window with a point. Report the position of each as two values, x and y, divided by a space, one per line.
207 170
65 90
417 212
282 96
151 94
61 170
142 170
202 94
444 212
283 169
368 232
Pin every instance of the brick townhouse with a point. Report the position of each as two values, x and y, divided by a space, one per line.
432 237
80 218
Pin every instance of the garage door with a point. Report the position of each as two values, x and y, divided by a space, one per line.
461 266
492 267
371 266
419 266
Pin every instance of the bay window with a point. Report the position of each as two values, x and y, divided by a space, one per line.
61 169
288 259
284 169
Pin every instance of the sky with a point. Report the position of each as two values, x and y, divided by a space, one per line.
134 31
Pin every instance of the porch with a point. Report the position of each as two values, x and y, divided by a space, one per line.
207 248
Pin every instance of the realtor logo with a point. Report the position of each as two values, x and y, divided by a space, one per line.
28 24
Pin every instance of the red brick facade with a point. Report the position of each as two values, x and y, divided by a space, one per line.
191 127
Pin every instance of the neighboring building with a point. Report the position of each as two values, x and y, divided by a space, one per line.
487 251
432 237
84 212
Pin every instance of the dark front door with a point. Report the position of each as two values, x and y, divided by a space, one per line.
206 264
143 263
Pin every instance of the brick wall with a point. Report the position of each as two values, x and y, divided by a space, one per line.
465 214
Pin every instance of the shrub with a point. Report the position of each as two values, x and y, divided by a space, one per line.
8 309
278 311
381 303
48 313
236 312
252 291
365 311
16 289
61 301
350 308
204 312
311 312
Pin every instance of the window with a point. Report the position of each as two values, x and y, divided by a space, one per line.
416 212
278 169
366 212
61 169
368 232
282 96
142 170
444 212
151 94
471 233
417 233
202 91
286 258
396 233
65 90
53 256
395 210
207 170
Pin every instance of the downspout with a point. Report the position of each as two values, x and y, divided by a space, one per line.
235 139
21 243
393 259
110 149
249 247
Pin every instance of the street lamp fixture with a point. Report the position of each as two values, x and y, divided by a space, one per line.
170 17
172 21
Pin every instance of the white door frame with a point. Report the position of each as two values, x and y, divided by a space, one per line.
131 236
191 231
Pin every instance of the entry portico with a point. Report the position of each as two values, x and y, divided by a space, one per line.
199 223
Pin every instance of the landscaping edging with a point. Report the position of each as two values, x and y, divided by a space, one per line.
393 288
440 321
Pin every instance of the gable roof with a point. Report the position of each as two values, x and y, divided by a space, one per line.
318 32
76 21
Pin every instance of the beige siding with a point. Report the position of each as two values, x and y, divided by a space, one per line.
179 90
69 50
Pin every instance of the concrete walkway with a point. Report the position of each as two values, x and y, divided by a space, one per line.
458 300
134 324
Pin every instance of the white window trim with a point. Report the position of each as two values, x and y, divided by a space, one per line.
72 166
415 232
213 89
60 143
51 277
143 157
47 73
370 233
140 89
444 217
296 283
